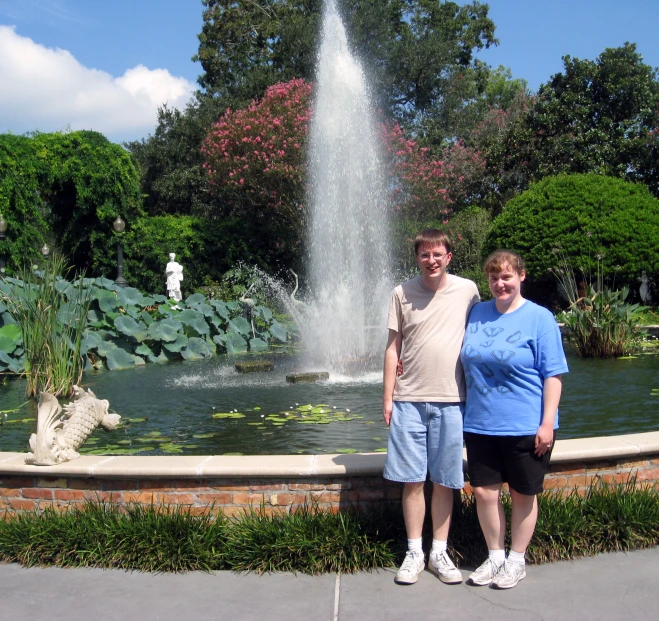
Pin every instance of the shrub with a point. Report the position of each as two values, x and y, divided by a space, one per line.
594 220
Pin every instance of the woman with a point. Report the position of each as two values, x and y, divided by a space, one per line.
513 360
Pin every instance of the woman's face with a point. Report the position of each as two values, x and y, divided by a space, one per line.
506 284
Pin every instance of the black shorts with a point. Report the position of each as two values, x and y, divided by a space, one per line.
506 459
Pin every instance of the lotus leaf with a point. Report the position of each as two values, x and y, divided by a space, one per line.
278 331
195 320
139 361
346 450
13 332
205 309
219 339
106 334
107 301
202 436
195 298
264 312
117 359
129 327
136 420
105 347
167 356
233 305
129 296
144 350
235 343
164 330
380 450
90 340
166 309
158 299
240 325
95 319
146 318
133 311
197 348
177 345
228 415
257 345
221 308
105 283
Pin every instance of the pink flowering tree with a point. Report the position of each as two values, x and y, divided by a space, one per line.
255 159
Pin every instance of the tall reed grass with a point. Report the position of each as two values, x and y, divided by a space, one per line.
52 315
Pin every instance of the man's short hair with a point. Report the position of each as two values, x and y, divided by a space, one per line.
432 237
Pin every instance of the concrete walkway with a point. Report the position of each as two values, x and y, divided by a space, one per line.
606 587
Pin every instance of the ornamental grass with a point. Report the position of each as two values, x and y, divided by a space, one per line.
314 540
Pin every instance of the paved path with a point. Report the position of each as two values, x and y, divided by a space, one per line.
606 587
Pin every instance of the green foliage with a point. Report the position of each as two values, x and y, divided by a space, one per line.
312 540
122 328
51 314
597 223
68 189
597 116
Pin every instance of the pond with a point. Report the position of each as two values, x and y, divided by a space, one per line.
206 407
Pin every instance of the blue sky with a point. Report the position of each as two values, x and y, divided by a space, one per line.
108 64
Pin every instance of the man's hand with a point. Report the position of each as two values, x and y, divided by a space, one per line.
387 409
399 368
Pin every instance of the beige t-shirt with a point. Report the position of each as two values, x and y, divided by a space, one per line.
432 326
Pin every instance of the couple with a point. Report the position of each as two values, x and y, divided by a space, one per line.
505 359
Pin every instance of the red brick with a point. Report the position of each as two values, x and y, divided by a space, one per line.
566 469
638 463
219 498
278 499
177 499
22 505
555 482
578 480
649 474
615 477
143 498
327 497
267 487
8 492
17 482
191 485
96 496
248 499
305 486
46 494
366 495
229 488
51 482
75 483
108 485
69 494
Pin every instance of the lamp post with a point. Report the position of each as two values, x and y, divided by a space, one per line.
119 225
3 230
45 251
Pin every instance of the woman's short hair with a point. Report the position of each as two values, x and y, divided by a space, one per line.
499 259
432 237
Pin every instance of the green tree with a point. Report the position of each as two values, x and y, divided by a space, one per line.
66 188
597 116
418 53
599 224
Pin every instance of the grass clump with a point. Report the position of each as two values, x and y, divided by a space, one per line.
313 540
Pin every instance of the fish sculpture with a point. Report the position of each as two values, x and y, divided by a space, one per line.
58 438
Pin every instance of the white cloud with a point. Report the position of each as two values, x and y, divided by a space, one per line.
48 89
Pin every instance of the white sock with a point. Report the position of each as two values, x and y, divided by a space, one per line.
438 546
516 557
497 556
414 545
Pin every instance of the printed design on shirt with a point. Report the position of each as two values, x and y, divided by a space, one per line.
483 390
502 355
508 373
513 338
473 328
492 331
469 380
486 370
471 352
487 343
502 388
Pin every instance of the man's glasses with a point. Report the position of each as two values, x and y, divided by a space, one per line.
438 256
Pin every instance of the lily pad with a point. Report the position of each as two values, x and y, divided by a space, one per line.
119 359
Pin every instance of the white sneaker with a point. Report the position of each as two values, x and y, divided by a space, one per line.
485 573
440 563
412 566
509 574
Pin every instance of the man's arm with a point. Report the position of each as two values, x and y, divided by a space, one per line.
391 356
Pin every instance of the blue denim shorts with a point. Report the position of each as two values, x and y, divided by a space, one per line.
425 438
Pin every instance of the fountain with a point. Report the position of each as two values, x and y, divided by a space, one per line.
349 244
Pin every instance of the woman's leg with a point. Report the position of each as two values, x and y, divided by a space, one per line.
490 515
523 520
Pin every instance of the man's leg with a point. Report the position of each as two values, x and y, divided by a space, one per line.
414 509
445 464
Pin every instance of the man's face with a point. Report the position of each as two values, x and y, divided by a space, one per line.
433 261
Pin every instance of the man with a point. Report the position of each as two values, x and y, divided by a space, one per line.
424 405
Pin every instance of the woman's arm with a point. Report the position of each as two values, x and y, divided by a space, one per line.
551 396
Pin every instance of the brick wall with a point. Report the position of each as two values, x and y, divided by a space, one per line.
233 495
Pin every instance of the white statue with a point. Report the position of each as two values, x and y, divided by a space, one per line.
174 274
58 438
644 289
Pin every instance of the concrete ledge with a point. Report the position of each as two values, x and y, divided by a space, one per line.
297 466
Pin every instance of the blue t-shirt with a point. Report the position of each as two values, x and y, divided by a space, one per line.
506 359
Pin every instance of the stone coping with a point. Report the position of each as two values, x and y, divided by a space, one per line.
296 466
